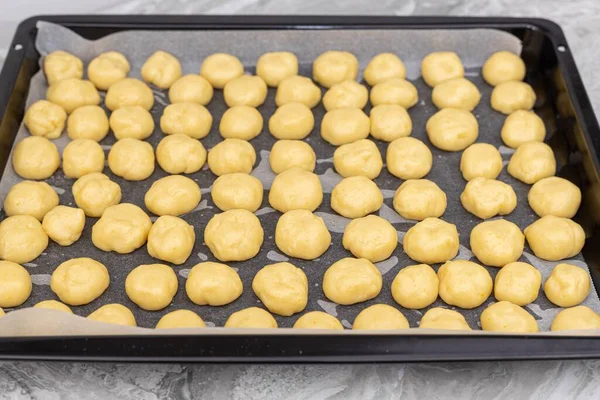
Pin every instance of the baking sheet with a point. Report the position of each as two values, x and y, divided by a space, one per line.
474 46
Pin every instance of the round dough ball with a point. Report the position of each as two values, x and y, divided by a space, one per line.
213 284
22 239
318 320
441 66
231 155
30 198
517 282
64 224
122 228
554 238
161 69
497 243
131 122
480 160
568 285
301 234
88 122
191 89
191 119
282 288
418 199
464 284
415 286
291 121
576 318
108 68
131 159
382 67
180 319
452 129
251 317
60 65
35 157
79 281
286 154
129 92
95 192
15 284
503 66
554 196
53 305
298 89
276 66
394 91
486 198
113 314
531 162
345 125
245 90
507 317
151 286
172 195
296 189
73 93
380 317
241 122
441 318
171 239
82 157
352 280
45 119
521 127
408 158
390 122
180 154
511 96
234 235
334 67
431 241
220 68
360 158
456 93
370 237
355 197
347 94
237 191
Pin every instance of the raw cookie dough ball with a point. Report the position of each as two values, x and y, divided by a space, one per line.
441 66
521 127
245 90
318 320
64 224
60 65
282 288
22 239
291 121
241 122
131 159
286 154
88 122
418 199
334 67
172 195
234 235
298 89
382 67
237 191
82 157
576 318
53 305
122 228
568 285
480 160
531 162
301 234
180 319
251 317
360 158
380 317
231 155
345 125
30 198
220 68
517 282
352 280
15 284
180 154
45 119
394 91
95 192
554 196
553 238
505 316
213 284
296 189
464 284
276 66
35 157
131 122
456 93
390 122
108 68
355 197
347 94
441 318
452 129
511 96
370 237
73 93
503 66
79 281
497 243
486 198
161 69
191 119
408 158
113 314
191 89
415 286
431 241
171 239
151 286
129 92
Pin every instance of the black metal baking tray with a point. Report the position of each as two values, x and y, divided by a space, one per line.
551 69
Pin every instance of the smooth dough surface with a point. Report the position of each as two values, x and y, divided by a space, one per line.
108 68
241 122
456 93
73 93
245 90
517 282
486 198
418 199
408 158
275 66
576 318
415 286
503 66
234 235
15 284
88 122
191 89
464 284
370 237
79 281
30 198
129 92
151 286
231 155
237 190
346 94
282 288
53 305
390 122
531 162
298 89
95 192
505 316
180 154
568 285
161 69
171 239
286 154
60 65
334 67
355 197
122 228
360 158
441 66
394 91
131 159
22 239
352 280
554 238
296 189
380 317
46 119
345 125
251 317
131 122
497 243
382 67
82 157
431 241
452 129
114 314
291 121
508 97
480 160
441 318
35 157
64 225
554 196
318 320
220 68
213 284
522 126
301 234
180 319
191 119
172 195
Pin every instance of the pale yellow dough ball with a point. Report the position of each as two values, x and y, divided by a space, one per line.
511 96
151 286
251 317
191 89
431 241
555 238
355 197
35 157
133 122
286 154
415 286
282 288
129 92
522 126
53 305
180 154
245 90
480 160
505 316
347 94
241 122
113 314
161 69
318 320
88 122
60 65
298 89
418 199
45 119
517 282
531 162
554 196
22 239
213 284
441 66
394 91
237 191
382 67
276 66
82 157
370 237
452 129
441 318
79 281
464 284
231 155
408 158
486 198
171 239
64 224
180 319
2 313
503 66
296 189
131 159
220 68
380 317
497 243
456 93
390 122
73 93
334 67
191 119
352 280
108 68
30 198
345 125
568 285
95 192
576 318
301 234
15 284
234 235
172 195
122 228
360 158
291 121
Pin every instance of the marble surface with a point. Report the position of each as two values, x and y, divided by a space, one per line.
534 379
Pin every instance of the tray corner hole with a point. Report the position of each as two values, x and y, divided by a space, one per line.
561 48
18 47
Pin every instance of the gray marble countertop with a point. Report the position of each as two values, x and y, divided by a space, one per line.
580 20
